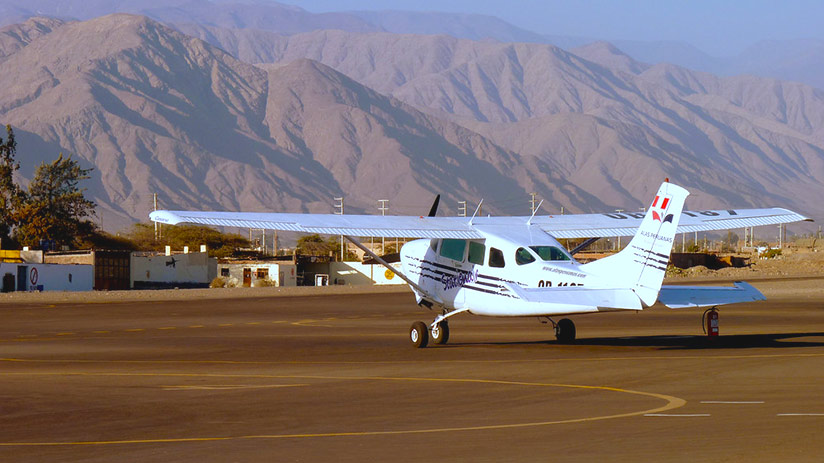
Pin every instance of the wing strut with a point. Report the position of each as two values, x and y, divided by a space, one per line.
378 259
583 245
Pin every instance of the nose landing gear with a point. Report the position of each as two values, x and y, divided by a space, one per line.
437 332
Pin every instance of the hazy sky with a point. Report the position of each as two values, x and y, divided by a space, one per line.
718 27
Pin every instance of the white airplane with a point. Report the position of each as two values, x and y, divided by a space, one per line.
515 266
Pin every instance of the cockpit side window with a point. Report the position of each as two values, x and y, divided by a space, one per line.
496 258
522 256
549 253
476 252
453 249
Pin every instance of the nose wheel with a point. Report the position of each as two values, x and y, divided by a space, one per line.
421 335
440 333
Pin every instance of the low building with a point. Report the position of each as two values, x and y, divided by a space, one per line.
28 276
111 268
172 270
350 273
259 272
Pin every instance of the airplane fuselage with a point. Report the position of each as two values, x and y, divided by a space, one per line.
478 274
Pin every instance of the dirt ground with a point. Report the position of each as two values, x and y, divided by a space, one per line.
791 263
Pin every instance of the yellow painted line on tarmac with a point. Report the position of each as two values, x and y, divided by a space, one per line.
101 332
226 324
196 326
167 328
226 387
253 323
310 323
134 330
66 333
671 404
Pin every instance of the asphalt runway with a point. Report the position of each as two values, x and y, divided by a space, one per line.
335 379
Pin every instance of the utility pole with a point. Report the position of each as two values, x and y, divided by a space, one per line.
462 209
532 203
339 206
156 224
383 208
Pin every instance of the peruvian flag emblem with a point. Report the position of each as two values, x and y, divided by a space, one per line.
659 209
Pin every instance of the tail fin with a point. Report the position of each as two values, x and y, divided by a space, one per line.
643 263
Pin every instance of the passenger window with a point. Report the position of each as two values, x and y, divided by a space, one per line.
522 256
453 249
476 253
549 253
496 258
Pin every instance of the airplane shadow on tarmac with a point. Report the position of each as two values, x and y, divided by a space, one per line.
741 341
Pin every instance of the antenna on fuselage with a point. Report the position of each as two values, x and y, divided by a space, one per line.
476 212
529 222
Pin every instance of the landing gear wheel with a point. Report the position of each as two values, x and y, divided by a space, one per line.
440 333
565 331
419 334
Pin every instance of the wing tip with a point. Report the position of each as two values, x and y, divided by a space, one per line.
164 217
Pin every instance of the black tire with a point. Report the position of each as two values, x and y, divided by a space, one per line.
419 335
440 334
565 331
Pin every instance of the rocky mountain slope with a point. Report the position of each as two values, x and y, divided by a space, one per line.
609 122
154 110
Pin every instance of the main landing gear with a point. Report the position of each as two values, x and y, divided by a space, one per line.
564 330
420 334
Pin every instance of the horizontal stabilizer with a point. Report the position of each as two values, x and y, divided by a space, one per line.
575 296
679 297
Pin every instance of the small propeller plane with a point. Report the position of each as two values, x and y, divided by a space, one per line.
516 267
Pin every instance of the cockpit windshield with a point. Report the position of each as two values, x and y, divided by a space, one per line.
550 253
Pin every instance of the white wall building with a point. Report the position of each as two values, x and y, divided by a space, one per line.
259 273
150 270
45 277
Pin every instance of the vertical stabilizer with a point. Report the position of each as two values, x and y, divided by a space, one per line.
643 263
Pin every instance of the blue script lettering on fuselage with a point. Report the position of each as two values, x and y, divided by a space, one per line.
460 279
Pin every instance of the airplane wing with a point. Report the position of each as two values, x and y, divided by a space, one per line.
680 297
331 224
559 226
626 224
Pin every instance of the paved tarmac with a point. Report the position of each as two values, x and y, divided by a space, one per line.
314 378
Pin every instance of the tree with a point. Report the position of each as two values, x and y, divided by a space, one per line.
10 194
55 208
218 244
315 245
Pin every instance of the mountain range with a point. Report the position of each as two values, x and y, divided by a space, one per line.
795 60
250 119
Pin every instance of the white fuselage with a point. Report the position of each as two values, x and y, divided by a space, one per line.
478 274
